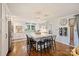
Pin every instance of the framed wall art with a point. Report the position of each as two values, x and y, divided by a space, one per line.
63 31
19 29
60 31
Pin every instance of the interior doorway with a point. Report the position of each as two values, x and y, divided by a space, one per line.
10 30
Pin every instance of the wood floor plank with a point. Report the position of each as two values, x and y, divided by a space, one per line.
20 49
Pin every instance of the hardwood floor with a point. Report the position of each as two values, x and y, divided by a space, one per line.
20 49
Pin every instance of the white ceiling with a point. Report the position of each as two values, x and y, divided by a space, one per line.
43 10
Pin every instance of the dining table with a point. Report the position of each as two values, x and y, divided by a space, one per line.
39 37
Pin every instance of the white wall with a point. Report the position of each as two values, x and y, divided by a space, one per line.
0 26
55 29
18 35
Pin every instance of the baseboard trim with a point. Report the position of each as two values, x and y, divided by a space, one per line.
8 52
17 40
65 44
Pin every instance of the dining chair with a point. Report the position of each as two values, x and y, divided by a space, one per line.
48 43
54 42
28 45
40 46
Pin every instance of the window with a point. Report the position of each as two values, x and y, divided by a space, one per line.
30 27
33 27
